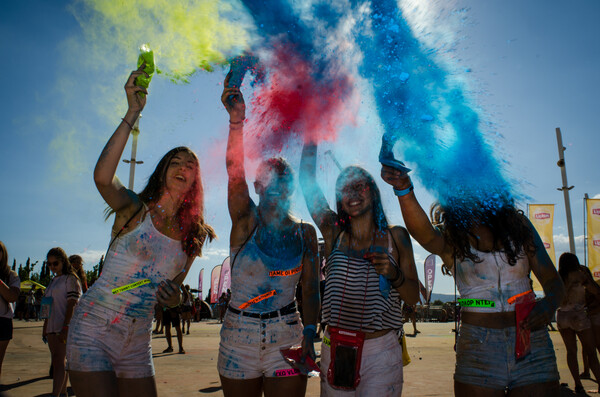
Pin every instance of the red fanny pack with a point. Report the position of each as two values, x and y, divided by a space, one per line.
523 306
346 352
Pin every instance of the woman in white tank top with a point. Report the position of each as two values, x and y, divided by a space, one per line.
157 234
494 248
271 252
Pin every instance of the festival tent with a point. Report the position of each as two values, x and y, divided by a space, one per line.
29 284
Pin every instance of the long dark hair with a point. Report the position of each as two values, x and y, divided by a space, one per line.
77 259
510 232
567 263
191 211
60 254
350 173
4 269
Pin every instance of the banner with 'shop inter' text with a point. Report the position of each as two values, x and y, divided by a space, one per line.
593 236
542 218
215 276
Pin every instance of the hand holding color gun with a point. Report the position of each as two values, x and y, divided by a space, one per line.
379 259
146 59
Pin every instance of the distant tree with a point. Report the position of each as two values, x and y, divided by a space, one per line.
100 265
22 273
437 302
14 267
92 275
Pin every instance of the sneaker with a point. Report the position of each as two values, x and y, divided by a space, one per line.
181 351
168 350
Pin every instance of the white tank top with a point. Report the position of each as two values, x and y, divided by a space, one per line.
142 254
262 283
492 279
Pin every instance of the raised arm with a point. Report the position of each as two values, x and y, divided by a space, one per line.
316 202
414 216
311 302
112 191
544 270
238 197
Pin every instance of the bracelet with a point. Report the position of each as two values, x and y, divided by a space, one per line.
127 122
404 192
310 330
236 122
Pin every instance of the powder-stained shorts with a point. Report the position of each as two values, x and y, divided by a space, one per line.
577 320
101 339
250 347
381 372
486 357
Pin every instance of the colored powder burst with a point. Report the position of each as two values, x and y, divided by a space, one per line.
186 35
427 111
309 92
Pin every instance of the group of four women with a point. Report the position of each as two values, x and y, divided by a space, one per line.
370 270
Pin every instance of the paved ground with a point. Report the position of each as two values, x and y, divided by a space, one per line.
25 368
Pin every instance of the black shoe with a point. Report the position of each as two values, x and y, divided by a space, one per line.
168 350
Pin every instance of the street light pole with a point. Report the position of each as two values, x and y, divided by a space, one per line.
132 162
565 188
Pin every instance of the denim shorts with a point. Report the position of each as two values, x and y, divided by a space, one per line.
101 339
486 357
381 372
250 347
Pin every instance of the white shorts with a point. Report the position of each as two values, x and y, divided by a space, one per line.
381 372
101 339
249 347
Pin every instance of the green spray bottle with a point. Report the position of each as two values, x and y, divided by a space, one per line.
146 56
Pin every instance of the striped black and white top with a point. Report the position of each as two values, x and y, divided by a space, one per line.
352 298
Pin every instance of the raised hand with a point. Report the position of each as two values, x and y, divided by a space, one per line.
135 101
233 100
398 179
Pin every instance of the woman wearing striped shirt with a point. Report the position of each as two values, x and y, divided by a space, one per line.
370 269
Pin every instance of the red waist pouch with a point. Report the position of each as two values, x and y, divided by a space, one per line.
346 353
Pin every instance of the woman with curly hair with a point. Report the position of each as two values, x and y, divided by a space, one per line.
156 236
10 286
490 248
60 300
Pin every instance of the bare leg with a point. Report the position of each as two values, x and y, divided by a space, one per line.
3 346
245 388
292 386
588 344
139 387
168 337
464 389
179 338
94 384
547 389
568 336
58 350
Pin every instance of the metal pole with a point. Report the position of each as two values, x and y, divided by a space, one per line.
565 189
132 162
585 236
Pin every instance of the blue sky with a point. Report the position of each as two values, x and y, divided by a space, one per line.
533 66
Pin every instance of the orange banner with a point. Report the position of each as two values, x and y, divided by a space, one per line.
542 218
593 236
258 298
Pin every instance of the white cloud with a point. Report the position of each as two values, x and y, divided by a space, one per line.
90 258
597 196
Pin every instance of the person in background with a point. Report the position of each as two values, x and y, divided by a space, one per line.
410 314
572 320
186 309
490 248
62 295
77 263
592 304
158 316
222 306
172 317
10 286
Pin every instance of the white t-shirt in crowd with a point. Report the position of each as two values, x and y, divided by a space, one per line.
6 310
61 289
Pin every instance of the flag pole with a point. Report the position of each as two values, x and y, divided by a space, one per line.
565 188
